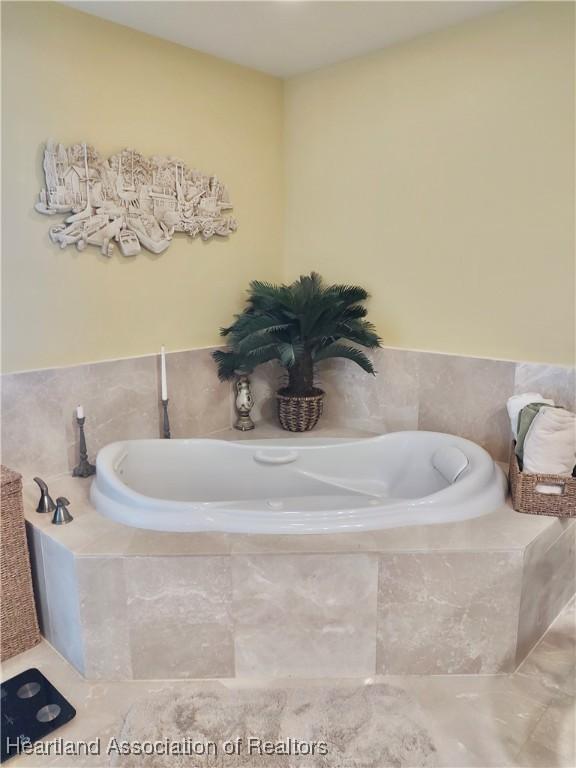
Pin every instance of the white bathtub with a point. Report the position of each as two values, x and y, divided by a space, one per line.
296 485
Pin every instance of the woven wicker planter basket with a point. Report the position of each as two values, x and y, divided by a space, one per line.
299 413
18 622
525 497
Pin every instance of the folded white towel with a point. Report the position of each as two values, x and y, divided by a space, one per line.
550 444
517 402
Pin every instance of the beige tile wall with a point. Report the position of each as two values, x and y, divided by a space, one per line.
465 396
314 614
121 399
345 614
448 612
305 615
412 390
179 616
554 565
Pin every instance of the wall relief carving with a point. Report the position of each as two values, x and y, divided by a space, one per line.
129 200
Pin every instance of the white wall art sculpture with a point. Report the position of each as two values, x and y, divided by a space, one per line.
129 199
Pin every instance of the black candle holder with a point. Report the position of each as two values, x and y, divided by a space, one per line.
84 468
165 420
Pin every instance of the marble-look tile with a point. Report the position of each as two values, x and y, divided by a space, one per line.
38 427
199 402
307 615
467 397
392 400
140 542
63 606
121 398
387 402
34 539
473 721
553 740
87 526
102 598
549 581
503 529
448 613
479 721
121 402
264 382
553 659
179 616
100 705
555 381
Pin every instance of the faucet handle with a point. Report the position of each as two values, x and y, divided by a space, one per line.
45 503
61 514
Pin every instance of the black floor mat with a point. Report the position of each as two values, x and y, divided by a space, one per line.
31 709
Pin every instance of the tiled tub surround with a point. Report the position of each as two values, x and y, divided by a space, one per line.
413 390
464 598
121 399
464 396
121 603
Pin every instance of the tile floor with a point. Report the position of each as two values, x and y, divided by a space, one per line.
525 719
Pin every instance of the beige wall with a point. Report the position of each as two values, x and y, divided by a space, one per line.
440 174
73 77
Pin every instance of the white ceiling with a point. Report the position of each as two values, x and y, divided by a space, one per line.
286 37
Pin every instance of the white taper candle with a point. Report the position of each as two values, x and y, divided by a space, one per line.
164 382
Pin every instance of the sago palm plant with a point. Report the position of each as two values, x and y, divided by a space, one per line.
299 325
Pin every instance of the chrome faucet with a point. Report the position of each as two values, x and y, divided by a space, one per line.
45 503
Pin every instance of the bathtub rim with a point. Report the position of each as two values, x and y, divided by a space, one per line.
487 480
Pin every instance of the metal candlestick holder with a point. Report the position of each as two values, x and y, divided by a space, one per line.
165 420
84 468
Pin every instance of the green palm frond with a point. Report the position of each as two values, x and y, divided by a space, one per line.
249 335
298 324
287 355
353 312
269 297
350 353
360 332
348 294
262 355
229 364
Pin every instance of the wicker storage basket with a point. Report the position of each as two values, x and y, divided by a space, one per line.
18 622
525 497
299 413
